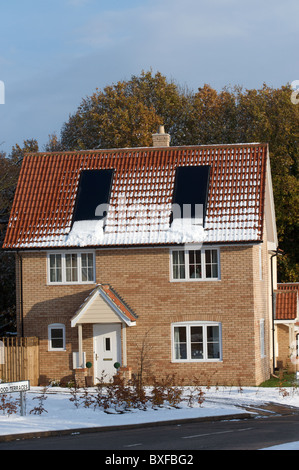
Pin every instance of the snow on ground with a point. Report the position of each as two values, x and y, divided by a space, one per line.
61 413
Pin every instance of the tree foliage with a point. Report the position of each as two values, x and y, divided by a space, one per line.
124 114
9 171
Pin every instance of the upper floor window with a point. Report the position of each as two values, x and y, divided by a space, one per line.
191 265
71 268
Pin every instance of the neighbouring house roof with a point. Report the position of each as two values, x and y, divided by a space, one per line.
112 299
286 300
141 196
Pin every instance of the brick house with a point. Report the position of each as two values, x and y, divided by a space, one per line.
287 325
155 258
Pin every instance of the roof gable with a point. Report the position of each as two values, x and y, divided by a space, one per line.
103 305
141 197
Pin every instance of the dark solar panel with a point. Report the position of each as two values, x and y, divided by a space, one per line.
94 190
191 189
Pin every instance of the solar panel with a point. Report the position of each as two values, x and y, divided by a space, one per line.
94 191
191 190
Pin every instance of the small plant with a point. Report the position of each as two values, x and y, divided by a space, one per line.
38 410
74 389
7 405
196 394
55 383
173 393
122 393
87 398
139 398
157 393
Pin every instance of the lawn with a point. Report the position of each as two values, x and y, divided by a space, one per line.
282 379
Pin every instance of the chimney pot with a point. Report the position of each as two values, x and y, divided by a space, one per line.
161 139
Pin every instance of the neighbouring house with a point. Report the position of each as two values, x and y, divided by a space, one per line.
287 325
147 260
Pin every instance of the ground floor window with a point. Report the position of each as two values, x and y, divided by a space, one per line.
196 341
56 337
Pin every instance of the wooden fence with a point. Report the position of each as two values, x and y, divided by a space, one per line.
21 360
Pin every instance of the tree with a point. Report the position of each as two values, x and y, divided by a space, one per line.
124 114
9 171
268 115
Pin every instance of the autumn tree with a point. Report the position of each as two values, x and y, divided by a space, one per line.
9 171
125 114
268 115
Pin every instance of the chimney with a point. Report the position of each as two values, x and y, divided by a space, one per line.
161 139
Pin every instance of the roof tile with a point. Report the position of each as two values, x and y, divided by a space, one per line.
287 301
141 196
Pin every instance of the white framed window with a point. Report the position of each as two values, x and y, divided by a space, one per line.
56 337
71 268
196 342
195 265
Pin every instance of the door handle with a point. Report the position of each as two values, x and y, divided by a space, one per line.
96 357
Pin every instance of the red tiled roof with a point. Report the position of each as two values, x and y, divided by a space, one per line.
120 304
287 301
42 211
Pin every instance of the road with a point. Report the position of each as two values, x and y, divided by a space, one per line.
249 434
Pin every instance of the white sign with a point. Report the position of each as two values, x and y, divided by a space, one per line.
11 387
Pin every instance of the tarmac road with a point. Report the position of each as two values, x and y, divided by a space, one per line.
245 434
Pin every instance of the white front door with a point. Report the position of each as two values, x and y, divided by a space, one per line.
107 349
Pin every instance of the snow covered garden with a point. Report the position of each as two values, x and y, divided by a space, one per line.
55 408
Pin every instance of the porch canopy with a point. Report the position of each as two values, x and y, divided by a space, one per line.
103 305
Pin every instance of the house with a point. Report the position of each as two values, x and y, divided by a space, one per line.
150 259
287 325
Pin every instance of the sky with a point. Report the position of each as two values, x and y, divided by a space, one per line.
55 53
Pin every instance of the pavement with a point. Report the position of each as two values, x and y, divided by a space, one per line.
250 412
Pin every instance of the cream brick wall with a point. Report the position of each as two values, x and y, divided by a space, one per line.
142 278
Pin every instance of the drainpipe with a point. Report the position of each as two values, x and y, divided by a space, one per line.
275 253
21 294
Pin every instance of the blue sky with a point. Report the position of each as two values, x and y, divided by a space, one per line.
55 53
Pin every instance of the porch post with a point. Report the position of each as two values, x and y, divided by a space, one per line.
80 361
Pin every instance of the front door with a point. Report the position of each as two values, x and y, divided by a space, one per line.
107 349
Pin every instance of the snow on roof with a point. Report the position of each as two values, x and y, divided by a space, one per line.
141 197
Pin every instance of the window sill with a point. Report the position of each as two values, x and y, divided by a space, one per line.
192 361
57 350
71 283
196 280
